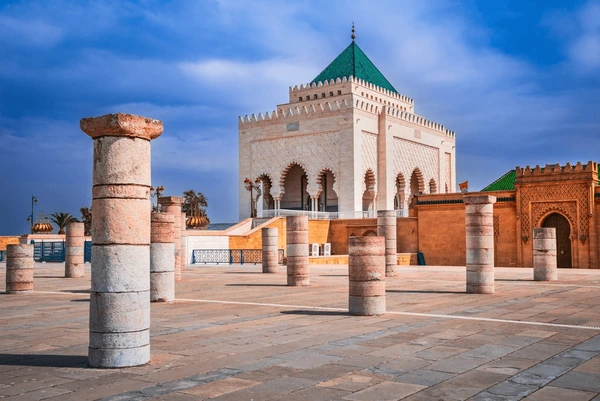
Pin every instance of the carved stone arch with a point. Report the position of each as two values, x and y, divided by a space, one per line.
566 209
417 184
433 189
370 233
286 170
400 182
369 181
336 184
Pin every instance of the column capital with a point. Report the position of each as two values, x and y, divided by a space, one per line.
477 199
170 200
120 124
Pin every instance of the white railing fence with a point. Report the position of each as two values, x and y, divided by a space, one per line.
269 213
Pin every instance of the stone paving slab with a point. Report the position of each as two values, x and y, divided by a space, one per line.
237 334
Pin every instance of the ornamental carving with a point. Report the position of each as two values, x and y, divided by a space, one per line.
314 153
410 155
369 155
572 201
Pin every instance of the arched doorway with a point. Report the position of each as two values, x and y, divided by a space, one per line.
328 199
267 198
368 198
416 182
400 198
295 196
563 238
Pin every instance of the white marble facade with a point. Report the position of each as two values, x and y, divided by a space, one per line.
343 146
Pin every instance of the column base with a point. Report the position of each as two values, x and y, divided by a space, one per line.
480 289
118 358
366 306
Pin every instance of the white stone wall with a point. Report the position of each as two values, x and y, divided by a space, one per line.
347 127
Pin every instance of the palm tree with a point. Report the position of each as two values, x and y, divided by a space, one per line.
61 220
86 218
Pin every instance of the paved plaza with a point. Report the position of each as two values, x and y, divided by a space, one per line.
237 334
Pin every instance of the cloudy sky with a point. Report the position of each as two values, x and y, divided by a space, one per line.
518 82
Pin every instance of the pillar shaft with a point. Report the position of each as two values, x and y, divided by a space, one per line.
270 262
183 260
544 254
366 274
297 250
479 225
172 205
19 268
162 258
386 227
75 239
120 288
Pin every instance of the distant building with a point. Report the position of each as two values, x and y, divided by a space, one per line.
347 144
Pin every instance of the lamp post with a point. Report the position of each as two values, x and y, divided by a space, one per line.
34 201
156 193
251 187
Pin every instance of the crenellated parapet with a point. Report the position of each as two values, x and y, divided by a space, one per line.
293 110
297 91
418 120
556 172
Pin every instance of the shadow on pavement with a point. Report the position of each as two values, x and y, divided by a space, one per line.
52 361
315 312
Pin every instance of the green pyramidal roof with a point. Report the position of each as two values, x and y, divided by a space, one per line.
354 62
507 182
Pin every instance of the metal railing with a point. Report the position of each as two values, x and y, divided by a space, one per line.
230 256
49 251
368 214
2 256
87 251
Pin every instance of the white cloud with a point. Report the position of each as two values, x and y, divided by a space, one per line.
31 32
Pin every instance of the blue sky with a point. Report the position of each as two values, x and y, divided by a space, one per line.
518 82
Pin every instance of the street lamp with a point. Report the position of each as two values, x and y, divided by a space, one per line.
34 201
156 192
251 187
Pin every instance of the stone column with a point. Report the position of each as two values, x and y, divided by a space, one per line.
544 254
183 260
479 225
162 258
120 294
19 268
297 250
270 262
74 251
386 227
172 205
366 274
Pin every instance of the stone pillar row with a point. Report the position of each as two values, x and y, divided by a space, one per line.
297 250
366 274
19 268
544 254
479 226
172 205
120 288
162 258
75 242
270 260
386 227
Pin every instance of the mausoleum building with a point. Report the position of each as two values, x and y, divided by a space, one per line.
345 145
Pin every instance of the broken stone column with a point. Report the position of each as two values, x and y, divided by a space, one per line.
366 274
270 260
162 258
297 250
544 254
183 259
19 268
75 239
172 205
386 227
120 293
479 230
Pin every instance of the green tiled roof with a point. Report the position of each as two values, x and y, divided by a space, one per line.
504 183
507 182
354 62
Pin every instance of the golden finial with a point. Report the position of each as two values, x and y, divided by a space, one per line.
353 35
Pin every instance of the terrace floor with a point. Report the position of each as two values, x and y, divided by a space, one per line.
237 334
